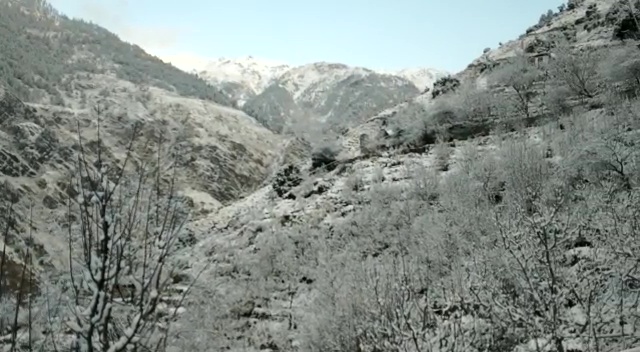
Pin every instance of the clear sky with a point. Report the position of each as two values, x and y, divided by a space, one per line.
379 34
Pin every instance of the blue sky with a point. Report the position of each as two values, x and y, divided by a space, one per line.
380 34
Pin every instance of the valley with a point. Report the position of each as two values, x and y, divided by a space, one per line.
260 206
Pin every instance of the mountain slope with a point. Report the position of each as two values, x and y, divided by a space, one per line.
597 26
41 47
59 71
333 93
595 23
252 73
243 78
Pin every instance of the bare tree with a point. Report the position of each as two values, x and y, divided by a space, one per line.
473 103
17 288
576 69
520 76
127 223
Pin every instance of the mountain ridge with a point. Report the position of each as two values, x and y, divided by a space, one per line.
257 73
281 95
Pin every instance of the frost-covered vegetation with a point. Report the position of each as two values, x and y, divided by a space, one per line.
42 51
124 224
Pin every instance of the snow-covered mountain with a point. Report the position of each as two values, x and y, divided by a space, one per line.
253 73
278 94
242 78
328 92
257 74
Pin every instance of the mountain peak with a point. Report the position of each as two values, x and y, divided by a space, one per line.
247 70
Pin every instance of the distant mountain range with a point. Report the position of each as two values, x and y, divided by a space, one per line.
277 94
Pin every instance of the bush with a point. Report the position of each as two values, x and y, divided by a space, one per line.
286 179
473 103
422 123
556 100
573 4
624 16
444 85
324 157
622 68
125 224
442 154
626 29
545 18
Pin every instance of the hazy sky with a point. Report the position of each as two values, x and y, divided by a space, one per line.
380 34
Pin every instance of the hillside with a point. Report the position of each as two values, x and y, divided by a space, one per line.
598 23
42 47
71 90
65 67
603 30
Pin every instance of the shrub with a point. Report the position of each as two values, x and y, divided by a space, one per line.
125 223
444 85
324 157
442 154
624 16
421 124
286 179
556 100
410 125
472 103
573 4
545 18
622 68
